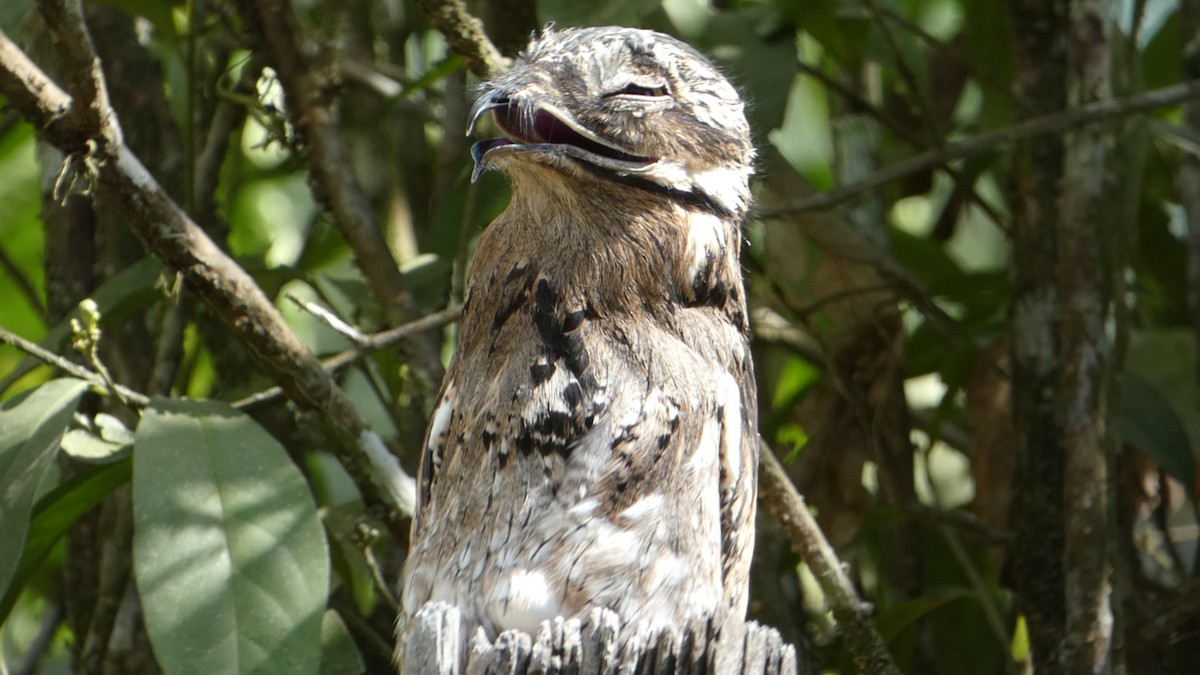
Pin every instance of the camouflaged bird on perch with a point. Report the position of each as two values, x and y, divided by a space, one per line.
589 472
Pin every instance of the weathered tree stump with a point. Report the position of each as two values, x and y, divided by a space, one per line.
597 645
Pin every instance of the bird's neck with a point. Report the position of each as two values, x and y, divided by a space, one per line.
618 248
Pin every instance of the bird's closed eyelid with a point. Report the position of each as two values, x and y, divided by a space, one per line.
641 90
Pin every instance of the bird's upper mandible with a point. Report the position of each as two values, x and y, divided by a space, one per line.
622 104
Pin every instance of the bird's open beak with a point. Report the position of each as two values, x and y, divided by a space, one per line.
545 127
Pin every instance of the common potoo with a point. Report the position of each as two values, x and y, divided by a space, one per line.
594 442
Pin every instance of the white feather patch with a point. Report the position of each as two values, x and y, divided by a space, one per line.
645 507
523 601
705 239
729 395
725 185
440 422
667 571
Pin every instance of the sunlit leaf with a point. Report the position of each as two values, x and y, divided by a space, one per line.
30 430
1020 641
86 446
229 555
106 440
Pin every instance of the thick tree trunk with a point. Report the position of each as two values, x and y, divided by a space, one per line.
1087 555
1040 30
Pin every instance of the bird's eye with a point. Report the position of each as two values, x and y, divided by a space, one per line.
652 91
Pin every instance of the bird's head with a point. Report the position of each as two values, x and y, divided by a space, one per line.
624 105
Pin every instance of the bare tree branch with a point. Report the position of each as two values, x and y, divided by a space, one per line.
369 345
124 184
970 146
309 87
853 616
70 367
465 34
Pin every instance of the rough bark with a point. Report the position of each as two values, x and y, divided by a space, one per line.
1087 555
1040 30
598 645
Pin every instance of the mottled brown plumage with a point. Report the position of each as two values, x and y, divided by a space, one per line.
594 443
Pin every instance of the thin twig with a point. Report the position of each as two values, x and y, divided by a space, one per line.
370 345
924 111
858 103
985 77
465 34
71 368
973 145
853 616
330 319
24 285
43 640
228 116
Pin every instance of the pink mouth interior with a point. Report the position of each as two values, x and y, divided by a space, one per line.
546 128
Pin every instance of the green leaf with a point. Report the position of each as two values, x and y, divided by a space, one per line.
348 558
229 556
103 439
796 376
440 71
1147 420
88 447
29 434
54 513
339 655
895 618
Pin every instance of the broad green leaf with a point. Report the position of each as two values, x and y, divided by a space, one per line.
1147 420
54 513
339 655
229 556
29 434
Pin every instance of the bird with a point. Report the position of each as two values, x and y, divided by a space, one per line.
594 441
